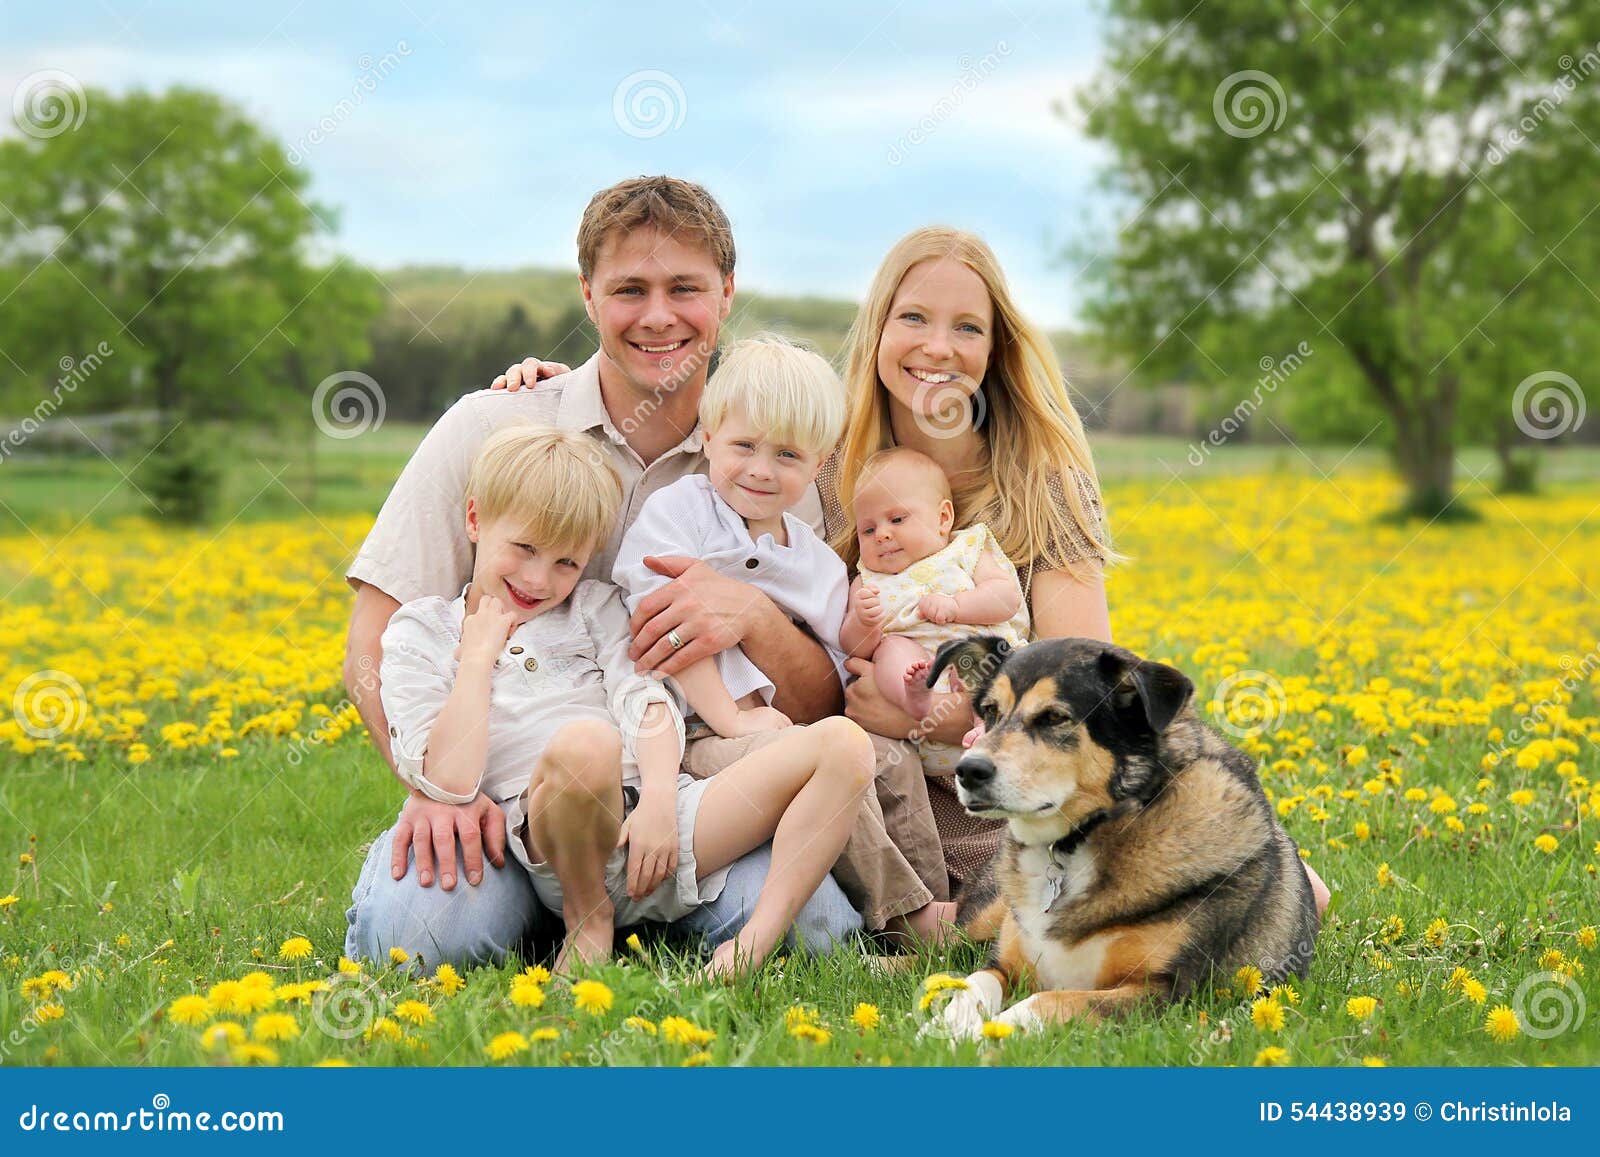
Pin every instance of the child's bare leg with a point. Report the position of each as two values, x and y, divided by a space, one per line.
574 815
801 791
934 923
900 667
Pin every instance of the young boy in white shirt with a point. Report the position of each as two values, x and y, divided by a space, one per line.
771 412
521 687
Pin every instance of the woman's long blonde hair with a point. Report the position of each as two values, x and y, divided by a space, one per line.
1032 434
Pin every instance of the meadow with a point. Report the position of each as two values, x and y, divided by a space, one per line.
186 792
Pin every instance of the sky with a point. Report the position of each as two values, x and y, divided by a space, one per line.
473 134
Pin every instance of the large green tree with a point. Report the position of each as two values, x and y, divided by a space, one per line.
1407 186
175 231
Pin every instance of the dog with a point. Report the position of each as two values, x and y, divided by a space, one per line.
1141 857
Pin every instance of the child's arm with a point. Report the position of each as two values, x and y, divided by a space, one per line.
994 598
862 630
458 747
704 690
651 830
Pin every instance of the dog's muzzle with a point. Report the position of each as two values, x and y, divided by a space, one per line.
975 772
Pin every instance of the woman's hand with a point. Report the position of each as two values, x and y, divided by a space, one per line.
527 373
710 611
865 704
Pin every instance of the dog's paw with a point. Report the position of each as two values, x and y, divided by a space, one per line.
1022 1015
962 1013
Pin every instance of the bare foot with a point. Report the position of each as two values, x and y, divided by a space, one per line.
918 697
754 720
933 924
589 938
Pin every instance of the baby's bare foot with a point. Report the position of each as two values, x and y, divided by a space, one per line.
918 697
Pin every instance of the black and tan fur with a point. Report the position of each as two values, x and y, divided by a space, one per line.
1173 870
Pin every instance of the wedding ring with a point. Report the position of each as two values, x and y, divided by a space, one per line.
675 639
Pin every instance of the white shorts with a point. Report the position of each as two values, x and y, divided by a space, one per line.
675 897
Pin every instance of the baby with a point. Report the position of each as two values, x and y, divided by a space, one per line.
919 585
770 412
521 687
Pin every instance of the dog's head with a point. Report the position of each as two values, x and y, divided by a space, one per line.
1072 725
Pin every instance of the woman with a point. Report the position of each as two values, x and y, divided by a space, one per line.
939 360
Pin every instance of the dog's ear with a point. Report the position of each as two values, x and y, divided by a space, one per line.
1161 691
977 660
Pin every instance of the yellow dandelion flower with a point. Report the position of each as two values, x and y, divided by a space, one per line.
384 1029
1266 1014
1363 830
507 1044
1473 990
1501 1024
866 1017
45 1013
1286 994
1551 960
349 967
223 1034
7 900
1271 1057
814 1033
798 1014
640 1024
535 974
1393 928
997 1030
1587 937
447 980
251 998
1546 843
398 956
414 1011
526 994
592 997
634 944
332 1063
1375 1062
540 1035
275 1026
189 1010
1361 1007
1522 797
1438 931
1248 980
295 948
1385 876
696 1060
679 1030
254 1054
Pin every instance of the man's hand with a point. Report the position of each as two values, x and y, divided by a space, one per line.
527 373
651 835
710 612
431 828
865 704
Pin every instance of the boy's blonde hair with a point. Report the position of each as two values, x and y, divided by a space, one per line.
786 390
556 483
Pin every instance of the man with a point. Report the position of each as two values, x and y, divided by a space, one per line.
656 262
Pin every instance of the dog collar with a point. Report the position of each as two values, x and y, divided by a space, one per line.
1073 840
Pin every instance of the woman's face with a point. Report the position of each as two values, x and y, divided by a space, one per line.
936 343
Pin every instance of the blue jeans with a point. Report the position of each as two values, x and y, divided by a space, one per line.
481 924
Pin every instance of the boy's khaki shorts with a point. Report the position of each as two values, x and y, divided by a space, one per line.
674 897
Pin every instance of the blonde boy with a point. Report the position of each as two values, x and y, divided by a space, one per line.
528 669
771 413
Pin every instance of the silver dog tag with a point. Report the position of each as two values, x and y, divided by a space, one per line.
1055 881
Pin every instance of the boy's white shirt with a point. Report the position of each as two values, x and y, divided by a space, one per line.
805 579
567 664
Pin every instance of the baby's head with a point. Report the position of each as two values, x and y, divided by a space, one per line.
772 411
539 502
903 509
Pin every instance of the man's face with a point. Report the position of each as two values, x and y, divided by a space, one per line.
658 303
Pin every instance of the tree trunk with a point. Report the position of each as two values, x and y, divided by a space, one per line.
1425 455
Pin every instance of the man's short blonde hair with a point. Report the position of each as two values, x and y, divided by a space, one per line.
788 392
556 483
